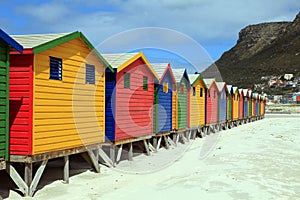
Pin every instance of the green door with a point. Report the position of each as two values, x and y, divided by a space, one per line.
182 104
4 99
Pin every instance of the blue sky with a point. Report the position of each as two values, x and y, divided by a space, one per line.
213 25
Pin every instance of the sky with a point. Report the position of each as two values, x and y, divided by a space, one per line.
195 31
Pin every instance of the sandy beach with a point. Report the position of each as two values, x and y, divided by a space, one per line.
258 160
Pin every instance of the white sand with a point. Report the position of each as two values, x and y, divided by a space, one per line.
260 160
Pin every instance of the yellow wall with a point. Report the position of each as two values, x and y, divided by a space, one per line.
67 113
174 110
197 105
236 105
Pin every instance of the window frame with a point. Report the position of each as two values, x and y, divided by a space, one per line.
126 83
165 87
59 70
93 80
145 83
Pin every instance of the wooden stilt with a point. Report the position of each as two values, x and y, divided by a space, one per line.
66 170
151 148
171 142
119 153
155 142
147 147
94 160
28 173
177 138
112 153
158 144
23 187
106 159
166 142
130 151
37 178
189 135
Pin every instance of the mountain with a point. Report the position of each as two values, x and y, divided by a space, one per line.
261 50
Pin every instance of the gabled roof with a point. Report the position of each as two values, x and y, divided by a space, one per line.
42 42
179 74
245 91
209 82
10 41
221 85
234 90
241 91
195 77
122 60
161 69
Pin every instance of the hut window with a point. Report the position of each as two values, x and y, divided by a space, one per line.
165 87
126 80
194 91
89 74
55 68
182 89
201 92
208 91
145 83
215 94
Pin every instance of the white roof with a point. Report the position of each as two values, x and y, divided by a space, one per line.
220 85
234 89
116 60
159 68
193 77
34 40
178 74
208 81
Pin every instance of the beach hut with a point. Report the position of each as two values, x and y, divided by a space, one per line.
254 105
222 108
258 105
197 102
183 96
263 105
241 106
211 105
163 98
7 44
235 104
163 92
246 104
129 100
250 105
229 105
56 101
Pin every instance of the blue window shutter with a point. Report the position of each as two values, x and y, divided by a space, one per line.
55 68
89 74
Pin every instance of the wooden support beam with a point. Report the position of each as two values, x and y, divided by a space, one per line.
23 187
155 142
2 165
171 142
66 169
166 142
151 147
130 151
94 160
37 178
158 144
28 173
177 139
189 135
147 147
106 159
112 154
119 153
